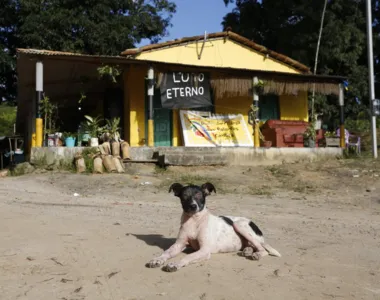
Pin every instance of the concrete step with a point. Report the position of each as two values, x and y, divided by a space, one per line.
189 159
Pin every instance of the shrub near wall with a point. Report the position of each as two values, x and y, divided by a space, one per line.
7 119
362 127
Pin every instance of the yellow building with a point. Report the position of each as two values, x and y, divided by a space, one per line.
231 62
214 52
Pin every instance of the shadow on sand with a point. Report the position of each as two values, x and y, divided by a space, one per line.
158 240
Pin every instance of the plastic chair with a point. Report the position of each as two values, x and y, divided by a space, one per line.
349 140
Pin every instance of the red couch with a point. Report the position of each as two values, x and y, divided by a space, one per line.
287 133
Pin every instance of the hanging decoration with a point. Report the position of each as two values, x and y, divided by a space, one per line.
346 85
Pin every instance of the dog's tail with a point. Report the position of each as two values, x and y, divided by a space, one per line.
271 250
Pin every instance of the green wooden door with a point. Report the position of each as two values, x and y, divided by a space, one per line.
162 119
162 127
269 108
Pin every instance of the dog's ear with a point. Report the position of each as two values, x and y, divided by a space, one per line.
176 188
208 188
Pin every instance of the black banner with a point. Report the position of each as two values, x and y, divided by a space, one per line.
185 90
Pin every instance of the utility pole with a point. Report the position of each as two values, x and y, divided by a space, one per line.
371 80
316 57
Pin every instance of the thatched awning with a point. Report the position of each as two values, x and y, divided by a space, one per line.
225 81
243 86
293 88
231 86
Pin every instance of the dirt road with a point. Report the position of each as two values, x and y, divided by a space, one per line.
323 218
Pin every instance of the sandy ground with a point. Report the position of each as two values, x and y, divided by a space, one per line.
324 218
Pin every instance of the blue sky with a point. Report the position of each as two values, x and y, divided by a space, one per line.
194 17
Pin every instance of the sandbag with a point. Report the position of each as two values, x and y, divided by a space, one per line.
115 149
125 150
98 165
118 165
109 164
80 163
106 148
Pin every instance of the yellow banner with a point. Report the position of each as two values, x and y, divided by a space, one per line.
203 129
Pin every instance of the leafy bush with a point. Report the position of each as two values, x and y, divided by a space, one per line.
7 119
361 126
358 126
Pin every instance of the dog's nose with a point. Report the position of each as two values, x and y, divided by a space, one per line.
193 206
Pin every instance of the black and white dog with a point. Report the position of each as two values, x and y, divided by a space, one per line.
207 233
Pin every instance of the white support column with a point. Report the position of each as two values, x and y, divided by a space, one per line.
39 92
150 94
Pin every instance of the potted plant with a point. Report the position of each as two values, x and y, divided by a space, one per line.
50 137
318 121
111 72
49 112
112 130
83 133
94 129
267 144
309 136
69 138
252 121
259 87
263 142
331 139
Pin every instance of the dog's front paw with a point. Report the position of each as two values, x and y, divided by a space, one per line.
255 256
171 267
247 251
258 255
155 263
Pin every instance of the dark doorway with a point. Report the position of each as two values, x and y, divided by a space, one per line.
114 106
269 107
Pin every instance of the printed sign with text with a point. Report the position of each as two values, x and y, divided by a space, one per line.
185 90
214 130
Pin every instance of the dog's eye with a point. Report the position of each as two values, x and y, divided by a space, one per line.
198 196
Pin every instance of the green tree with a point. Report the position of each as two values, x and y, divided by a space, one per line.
291 27
89 26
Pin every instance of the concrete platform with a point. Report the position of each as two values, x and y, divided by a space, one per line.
195 156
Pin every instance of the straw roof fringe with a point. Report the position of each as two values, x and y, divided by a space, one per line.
233 87
293 88
228 86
